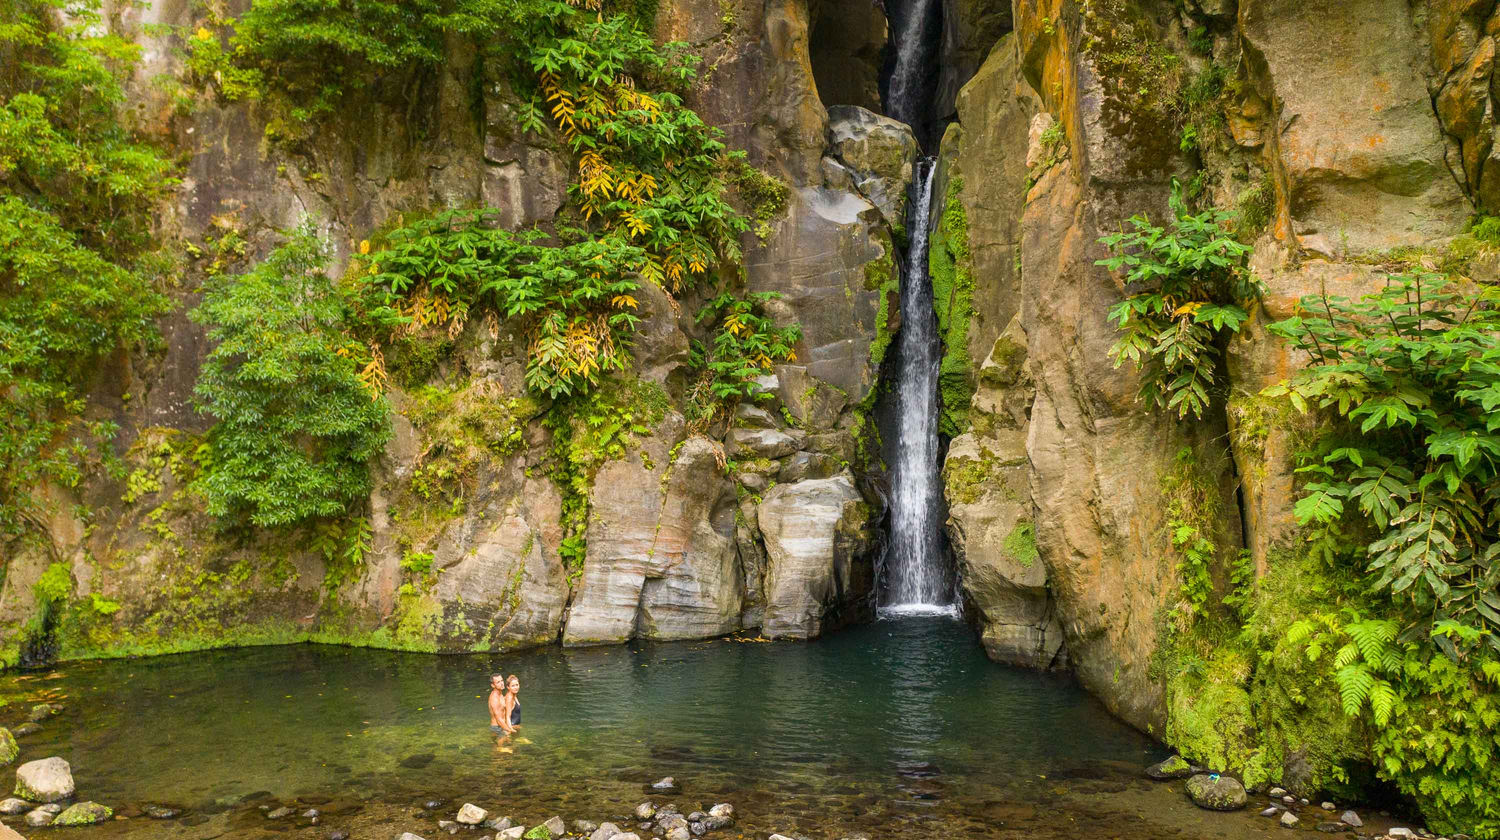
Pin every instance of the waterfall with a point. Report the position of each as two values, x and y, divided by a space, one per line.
913 77
917 576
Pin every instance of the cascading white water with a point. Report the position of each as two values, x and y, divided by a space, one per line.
916 42
917 579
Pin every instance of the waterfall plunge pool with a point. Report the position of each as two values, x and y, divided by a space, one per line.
895 728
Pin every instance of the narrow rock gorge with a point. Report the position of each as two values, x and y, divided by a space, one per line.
1170 553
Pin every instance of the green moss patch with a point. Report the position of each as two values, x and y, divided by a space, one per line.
951 268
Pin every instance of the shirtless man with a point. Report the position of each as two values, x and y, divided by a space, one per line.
499 724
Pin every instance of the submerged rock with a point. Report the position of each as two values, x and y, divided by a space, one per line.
27 728
44 780
1216 793
407 835
1173 767
85 813
280 813
723 809
1331 827
665 783
1270 812
584 827
161 812
42 711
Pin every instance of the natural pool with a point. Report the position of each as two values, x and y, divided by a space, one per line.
896 728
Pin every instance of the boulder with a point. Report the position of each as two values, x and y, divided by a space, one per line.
44 780
879 153
817 535
8 748
825 259
761 443
662 561
1172 767
1215 792
1364 162
471 814
84 813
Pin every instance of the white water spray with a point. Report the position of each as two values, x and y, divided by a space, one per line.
917 579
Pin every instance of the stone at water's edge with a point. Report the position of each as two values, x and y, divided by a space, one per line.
606 831
407 835
471 814
84 813
556 826
44 780
12 807
1173 767
1289 819
1216 794
815 532
8 833
8 748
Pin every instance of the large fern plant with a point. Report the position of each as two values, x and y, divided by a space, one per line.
1412 376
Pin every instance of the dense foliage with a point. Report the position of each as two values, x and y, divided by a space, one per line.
1412 374
75 279
1191 287
297 425
1402 487
576 301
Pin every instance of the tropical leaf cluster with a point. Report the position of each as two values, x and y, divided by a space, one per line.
1188 287
744 343
574 295
1411 375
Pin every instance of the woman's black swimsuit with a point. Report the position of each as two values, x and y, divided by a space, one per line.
515 714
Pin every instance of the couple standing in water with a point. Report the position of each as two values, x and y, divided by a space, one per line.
505 705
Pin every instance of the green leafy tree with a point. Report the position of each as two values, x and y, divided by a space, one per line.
1191 287
296 426
76 188
1411 374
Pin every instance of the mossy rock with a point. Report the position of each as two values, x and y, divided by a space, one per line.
8 747
1173 767
540 832
84 813
1216 793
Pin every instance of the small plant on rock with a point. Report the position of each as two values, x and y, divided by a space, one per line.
1191 288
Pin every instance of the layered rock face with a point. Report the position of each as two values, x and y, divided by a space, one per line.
766 520
1349 140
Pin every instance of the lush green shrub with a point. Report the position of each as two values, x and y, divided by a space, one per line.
296 424
575 300
76 187
743 344
1403 487
1411 375
1192 287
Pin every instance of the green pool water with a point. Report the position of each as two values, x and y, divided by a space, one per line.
892 727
